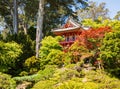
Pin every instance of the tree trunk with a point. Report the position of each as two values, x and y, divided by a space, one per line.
39 26
25 27
15 17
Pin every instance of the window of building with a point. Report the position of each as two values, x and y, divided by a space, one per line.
67 39
73 38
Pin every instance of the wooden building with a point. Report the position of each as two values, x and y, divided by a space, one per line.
70 31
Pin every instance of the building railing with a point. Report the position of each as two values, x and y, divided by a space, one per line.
66 42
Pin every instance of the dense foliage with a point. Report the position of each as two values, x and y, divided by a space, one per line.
56 69
51 51
110 51
68 78
100 22
55 12
9 53
93 11
27 47
91 62
92 38
31 66
6 82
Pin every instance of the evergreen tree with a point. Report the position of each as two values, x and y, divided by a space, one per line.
93 11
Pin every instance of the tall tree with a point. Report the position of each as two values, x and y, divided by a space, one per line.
6 12
93 11
110 52
55 13
117 16
15 17
9 11
39 26
28 14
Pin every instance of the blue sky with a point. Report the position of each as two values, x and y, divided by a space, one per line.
112 5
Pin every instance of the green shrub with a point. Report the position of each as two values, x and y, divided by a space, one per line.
9 53
55 57
68 78
23 73
28 49
92 80
46 73
41 75
29 78
77 85
6 82
32 65
76 52
110 50
51 51
44 85
64 74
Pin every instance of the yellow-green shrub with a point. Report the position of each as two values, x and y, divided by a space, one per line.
6 82
44 85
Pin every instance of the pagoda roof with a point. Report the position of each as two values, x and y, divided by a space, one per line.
68 26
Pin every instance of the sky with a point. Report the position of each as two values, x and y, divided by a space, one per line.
112 5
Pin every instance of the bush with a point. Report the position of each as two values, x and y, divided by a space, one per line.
41 75
110 51
9 53
44 85
68 78
46 73
28 49
92 80
32 65
77 85
55 57
77 52
6 82
51 51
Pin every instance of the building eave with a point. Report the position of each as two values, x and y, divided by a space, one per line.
65 29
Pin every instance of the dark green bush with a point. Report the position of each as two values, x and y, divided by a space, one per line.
28 49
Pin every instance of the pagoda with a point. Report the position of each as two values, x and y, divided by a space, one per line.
70 31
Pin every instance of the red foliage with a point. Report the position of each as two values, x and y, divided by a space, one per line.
94 34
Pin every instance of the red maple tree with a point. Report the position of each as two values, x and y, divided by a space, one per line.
92 38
